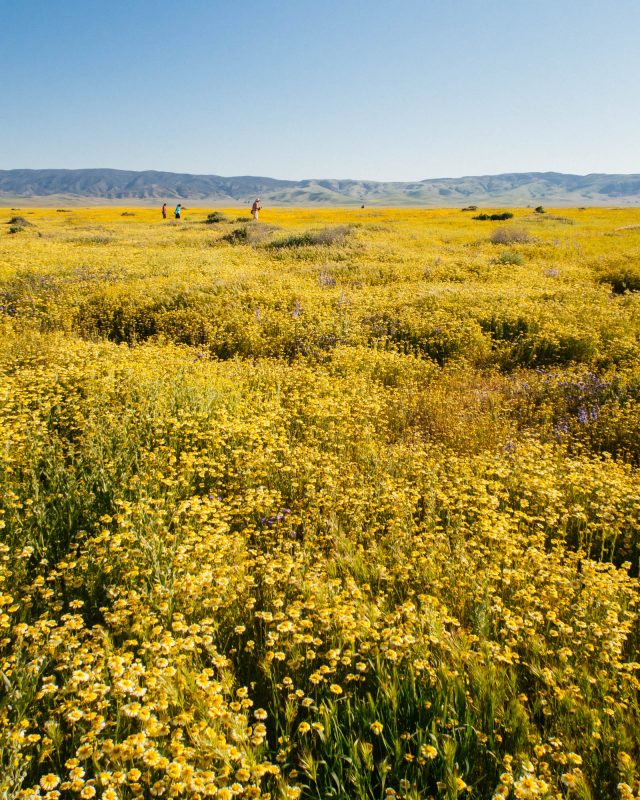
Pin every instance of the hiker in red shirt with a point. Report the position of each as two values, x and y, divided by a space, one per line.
255 209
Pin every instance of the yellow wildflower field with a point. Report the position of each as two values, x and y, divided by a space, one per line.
343 503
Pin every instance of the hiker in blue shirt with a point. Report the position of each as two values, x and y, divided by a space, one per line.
177 211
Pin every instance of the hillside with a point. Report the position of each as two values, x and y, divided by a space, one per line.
88 186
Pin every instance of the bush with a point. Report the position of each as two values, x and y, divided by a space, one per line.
237 236
539 210
295 240
470 208
324 238
17 224
510 257
494 217
215 217
510 236
21 221
622 280
249 234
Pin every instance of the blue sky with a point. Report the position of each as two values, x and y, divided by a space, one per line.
379 89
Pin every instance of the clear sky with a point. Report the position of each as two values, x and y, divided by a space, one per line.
379 89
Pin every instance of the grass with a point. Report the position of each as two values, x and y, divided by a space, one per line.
348 509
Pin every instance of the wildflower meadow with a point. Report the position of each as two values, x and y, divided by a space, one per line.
340 504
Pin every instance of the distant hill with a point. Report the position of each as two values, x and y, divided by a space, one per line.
83 186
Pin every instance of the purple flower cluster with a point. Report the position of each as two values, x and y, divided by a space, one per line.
587 414
271 521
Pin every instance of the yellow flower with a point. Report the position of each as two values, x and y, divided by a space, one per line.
377 727
428 751
84 751
151 757
49 781
174 769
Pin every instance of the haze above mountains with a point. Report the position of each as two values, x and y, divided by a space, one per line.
112 186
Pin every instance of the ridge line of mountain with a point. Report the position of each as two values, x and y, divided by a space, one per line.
515 188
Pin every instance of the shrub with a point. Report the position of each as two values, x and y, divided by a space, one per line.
622 280
324 238
249 234
17 224
539 210
215 217
510 236
237 236
295 240
470 208
510 257
20 221
494 217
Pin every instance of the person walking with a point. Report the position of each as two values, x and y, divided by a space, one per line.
164 211
255 209
176 213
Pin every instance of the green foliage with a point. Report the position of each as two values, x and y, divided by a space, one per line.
622 279
18 224
325 237
510 257
215 217
237 235
494 217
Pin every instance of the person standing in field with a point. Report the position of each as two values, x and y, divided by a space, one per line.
164 211
255 209
176 213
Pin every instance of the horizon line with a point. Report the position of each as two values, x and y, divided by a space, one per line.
302 180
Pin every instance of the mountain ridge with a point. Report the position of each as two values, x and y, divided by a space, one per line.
512 188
